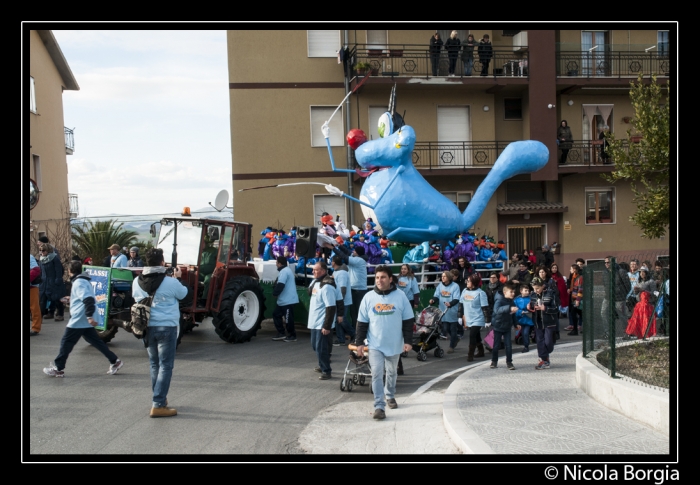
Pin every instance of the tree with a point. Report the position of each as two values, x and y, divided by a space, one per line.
645 163
93 239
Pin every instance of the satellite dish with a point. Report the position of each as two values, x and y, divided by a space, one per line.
221 200
34 194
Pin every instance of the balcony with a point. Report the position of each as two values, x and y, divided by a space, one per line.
413 60
586 153
68 135
73 205
604 62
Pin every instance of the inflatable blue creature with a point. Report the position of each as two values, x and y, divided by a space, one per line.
397 197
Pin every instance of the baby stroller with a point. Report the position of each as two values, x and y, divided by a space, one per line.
426 334
356 370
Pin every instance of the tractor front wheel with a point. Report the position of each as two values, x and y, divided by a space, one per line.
242 310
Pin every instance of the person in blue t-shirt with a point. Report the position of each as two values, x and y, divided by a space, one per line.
83 320
117 258
447 295
385 319
286 292
322 311
342 282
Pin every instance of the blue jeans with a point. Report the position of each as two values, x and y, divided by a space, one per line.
162 342
380 363
497 345
71 337
346 327
322 345
468 66
545 341
452 329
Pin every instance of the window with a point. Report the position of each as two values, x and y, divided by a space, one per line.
323 43
377 39
461 199
36 162
513 109
662 42
525 191
32 95
454 133
600 205
319 115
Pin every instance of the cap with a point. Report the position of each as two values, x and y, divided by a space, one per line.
114 246
134 249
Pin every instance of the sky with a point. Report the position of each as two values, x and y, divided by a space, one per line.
151 120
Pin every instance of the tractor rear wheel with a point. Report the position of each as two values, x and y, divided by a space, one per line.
242 310
109 332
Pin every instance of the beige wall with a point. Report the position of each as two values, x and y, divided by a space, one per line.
46 137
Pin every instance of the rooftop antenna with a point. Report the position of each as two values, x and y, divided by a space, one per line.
221 201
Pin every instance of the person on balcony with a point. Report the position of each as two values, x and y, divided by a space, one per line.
604 157
485 52
468 54
565 140
452 45
435 47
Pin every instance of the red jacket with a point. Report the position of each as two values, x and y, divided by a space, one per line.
33 273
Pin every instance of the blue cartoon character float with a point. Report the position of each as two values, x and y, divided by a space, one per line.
397 197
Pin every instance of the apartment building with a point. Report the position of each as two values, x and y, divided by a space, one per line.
283 89
49 140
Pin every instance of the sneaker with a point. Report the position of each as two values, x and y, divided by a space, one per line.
510 366
163 412
443 337
290 338
570 327
113 368
392 403
280 336
379 414
32 333
317 369
494 365
59 318
53 371
542 365
324 377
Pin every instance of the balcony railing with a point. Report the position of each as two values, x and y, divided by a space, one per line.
68 134
73 205
415 60
587 152
595 64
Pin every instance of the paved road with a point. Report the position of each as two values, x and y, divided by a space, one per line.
257 398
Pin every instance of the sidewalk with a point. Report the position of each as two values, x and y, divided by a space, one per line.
539 412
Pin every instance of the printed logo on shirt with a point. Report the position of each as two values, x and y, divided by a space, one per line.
468 297
383 309
402 284
446 294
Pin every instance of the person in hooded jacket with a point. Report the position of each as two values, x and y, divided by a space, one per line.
52 288
84 317
565 139
163 324
135 260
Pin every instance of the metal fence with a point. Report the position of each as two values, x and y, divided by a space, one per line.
628 336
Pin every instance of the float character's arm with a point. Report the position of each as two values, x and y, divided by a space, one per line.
336 191
326 133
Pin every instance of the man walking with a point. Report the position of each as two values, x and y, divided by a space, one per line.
83 320
163 325
385 318
322 311
286 292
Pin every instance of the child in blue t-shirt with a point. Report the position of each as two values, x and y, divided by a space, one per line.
524 315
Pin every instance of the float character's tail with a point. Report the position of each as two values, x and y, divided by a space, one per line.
519 157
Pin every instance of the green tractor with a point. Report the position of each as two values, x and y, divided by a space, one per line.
212 255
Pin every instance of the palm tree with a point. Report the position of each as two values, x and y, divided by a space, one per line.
93 239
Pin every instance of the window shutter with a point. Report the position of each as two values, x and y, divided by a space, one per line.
319 115
323 43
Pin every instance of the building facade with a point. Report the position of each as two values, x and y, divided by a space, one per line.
283 89
49 140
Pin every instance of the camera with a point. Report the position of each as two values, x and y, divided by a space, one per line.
170 271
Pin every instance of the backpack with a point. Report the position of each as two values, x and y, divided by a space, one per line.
141 313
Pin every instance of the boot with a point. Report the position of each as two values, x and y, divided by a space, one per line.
470 355
163 412
479 350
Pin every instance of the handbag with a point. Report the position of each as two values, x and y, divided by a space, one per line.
488 340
